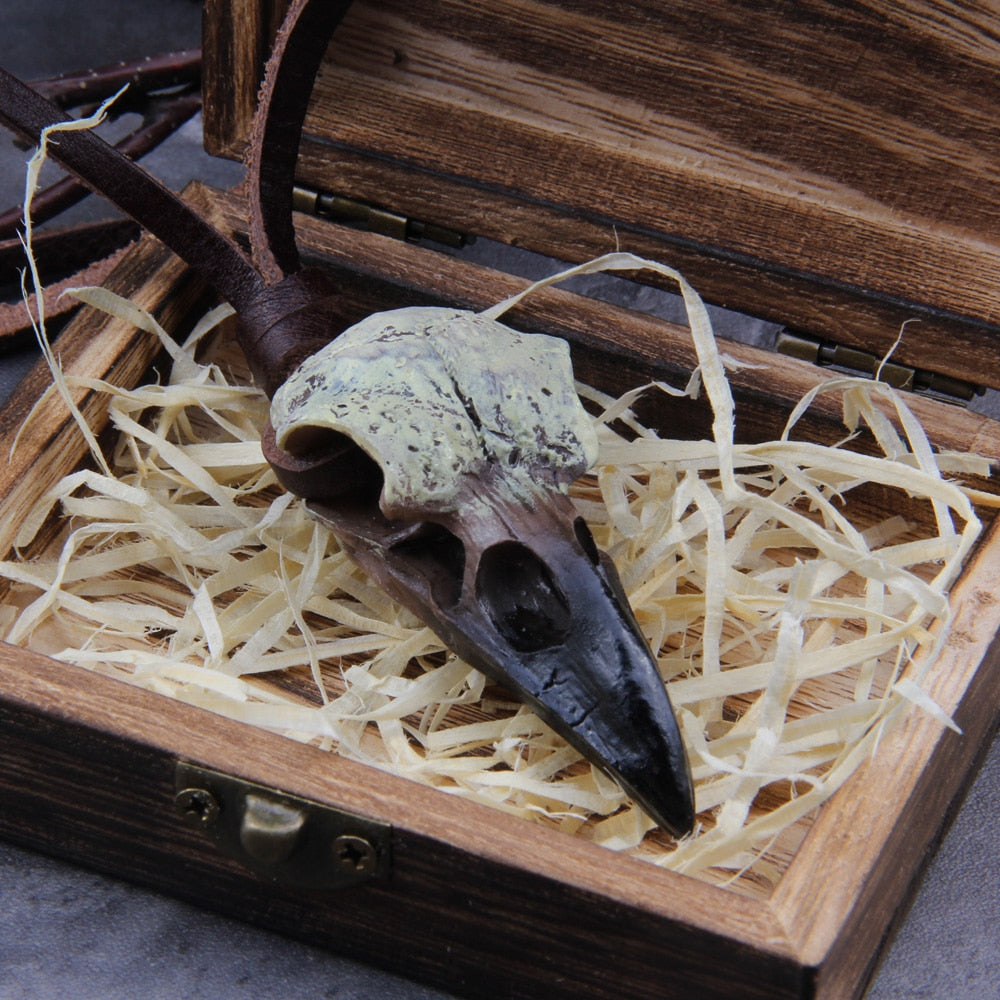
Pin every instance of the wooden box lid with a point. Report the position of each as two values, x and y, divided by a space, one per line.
830 168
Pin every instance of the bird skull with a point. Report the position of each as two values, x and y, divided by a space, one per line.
438 444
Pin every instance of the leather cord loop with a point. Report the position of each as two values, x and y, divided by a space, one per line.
291 71
140 195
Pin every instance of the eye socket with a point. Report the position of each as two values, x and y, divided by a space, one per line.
439 556
518 594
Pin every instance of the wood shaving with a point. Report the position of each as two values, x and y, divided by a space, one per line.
793 617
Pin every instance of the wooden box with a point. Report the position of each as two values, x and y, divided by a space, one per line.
819 166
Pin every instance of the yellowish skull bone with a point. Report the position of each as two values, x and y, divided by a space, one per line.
434 395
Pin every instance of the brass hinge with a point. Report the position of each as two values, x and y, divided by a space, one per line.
288 839
374 218
854 361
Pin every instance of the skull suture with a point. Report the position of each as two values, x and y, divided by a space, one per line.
448 441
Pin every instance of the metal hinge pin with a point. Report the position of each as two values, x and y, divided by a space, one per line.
374 218
855 361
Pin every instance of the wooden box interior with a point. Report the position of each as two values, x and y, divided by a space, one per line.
772 210
477 902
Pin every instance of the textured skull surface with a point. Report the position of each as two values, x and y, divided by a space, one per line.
435 395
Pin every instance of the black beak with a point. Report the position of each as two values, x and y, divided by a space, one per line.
513 583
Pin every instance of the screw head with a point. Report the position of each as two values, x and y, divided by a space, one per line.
198 806
354 853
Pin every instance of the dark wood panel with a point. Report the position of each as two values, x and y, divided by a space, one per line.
236 36
613 348
859 94
455 109
88 775
932 784
817 305
115 351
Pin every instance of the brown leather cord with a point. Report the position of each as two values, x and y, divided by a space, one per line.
160 120
286 314
291 71
164 89
157 209
143 76
629 728
60 252
65 258
537 635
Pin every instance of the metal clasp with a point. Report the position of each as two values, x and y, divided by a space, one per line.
292 840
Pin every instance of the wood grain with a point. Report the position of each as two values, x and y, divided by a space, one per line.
477 902
855 851
95 345
612 347
236 36
825 166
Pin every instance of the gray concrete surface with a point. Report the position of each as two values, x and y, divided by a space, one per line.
66 932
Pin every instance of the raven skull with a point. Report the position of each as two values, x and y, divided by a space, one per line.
438 444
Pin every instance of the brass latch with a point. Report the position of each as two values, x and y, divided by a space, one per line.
374 218
854 361
292 840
